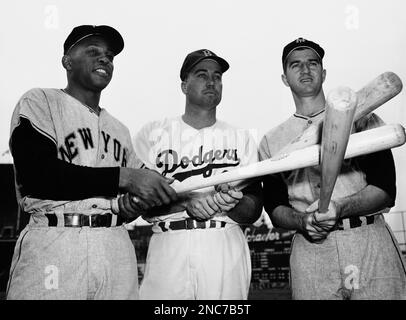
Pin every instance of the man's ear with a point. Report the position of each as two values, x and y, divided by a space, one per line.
67 62
284 80
183 85
323 75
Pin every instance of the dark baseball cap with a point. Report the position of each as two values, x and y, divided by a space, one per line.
301 43
81 32
195 57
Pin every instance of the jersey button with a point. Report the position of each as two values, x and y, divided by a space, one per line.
309 121
102 156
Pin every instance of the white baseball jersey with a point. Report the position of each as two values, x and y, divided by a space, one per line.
177 150
211 263
81 137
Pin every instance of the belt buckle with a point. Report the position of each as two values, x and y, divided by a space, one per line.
191 224
75 220
91 222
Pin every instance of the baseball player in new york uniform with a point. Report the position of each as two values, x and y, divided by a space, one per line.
348 252
71 157
198 250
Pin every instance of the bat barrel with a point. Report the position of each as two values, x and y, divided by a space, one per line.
374 140
377 92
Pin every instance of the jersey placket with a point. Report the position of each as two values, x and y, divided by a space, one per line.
100 156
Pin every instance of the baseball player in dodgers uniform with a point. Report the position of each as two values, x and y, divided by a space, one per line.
348 252
198 250
70 159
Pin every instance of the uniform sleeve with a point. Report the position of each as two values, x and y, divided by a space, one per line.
263 150
34 107
379 167
42 175
367 122
275 192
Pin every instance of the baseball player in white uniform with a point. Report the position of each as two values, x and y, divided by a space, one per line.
198 250
348 252
71 157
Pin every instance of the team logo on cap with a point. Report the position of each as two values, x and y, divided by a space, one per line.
300 40
207 53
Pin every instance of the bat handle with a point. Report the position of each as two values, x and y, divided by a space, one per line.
323 204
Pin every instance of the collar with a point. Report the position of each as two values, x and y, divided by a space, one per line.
84 104
310 116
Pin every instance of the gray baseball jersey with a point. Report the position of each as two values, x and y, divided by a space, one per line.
360 261
81 137
57 262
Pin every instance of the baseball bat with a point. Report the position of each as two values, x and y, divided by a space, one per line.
373 95
337 124
368 141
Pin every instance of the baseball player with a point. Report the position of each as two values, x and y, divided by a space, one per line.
348 252
71 157
198 250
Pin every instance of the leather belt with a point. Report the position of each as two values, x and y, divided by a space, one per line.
189 224
78 220
355 222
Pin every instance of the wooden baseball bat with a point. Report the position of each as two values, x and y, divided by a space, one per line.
337 124
369 141
373 95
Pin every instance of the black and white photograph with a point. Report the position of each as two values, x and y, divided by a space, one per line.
202 156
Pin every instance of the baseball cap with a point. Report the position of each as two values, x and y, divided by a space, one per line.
81 32
301 43
195 57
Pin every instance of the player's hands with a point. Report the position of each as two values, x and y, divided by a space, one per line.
226 197
312 230
326 220
202 208
129 208
318 225
149 187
